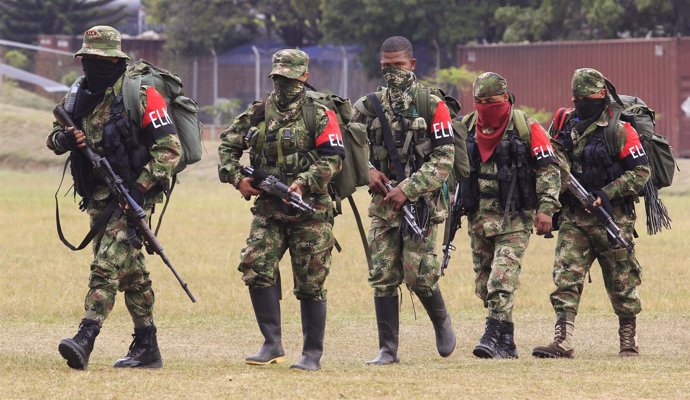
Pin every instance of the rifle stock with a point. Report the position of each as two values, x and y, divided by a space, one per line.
116 186
273 186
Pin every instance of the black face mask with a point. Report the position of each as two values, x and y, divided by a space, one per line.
589 108
101 73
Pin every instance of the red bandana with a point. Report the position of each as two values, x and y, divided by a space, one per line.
491 116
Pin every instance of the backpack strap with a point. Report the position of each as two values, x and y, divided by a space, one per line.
520 121
97 226
559 118
309 116
422 103
362 234
393 152
470 120
130 97
612 129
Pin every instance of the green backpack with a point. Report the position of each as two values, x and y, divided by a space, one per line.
642 118
660 154
355 171
183 110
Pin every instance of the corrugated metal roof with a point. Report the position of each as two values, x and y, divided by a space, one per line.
24 76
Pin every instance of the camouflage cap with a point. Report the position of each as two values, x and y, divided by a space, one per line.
103 41
587 81
489 84
290 63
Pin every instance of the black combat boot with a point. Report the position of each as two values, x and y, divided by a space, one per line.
78 349
266 303
488 344
628 337
313 327
562 345
143 352
443 327
506 345
388 323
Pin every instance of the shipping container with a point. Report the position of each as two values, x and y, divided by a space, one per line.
657 70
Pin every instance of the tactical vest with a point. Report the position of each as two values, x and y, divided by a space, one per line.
285 153
595 167
515 171
121 145
410 136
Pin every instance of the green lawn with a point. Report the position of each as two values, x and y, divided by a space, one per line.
203 344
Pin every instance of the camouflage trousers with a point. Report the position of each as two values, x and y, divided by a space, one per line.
396 259
310 243
576 249
496 262
117 266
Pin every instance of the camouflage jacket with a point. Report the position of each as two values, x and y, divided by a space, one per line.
438 155
630 183
317 157
489 217
165 149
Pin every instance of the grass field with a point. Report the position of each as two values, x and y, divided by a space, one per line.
203 344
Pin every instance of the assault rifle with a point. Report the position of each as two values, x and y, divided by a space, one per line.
116 186
586 199
410 216
273 186
454 225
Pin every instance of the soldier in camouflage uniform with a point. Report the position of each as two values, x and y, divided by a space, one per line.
425 144
144 156
615 176
280 143
513 186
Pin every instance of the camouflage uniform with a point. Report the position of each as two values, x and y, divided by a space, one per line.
498 237
280 144
581 237
118 265
498 245
396 256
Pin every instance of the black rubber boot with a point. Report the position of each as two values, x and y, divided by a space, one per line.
443 327
266 303
487 346
78 349
143 352
388 323
506 344
313 328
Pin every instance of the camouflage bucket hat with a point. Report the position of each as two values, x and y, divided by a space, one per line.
587 81
290 63
489 84
103 41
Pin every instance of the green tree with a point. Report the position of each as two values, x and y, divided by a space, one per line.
296 22
440 24
23 20
197 27
452 80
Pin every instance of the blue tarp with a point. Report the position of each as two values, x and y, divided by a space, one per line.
243 55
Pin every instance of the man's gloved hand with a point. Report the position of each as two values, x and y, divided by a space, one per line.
66 140
70 139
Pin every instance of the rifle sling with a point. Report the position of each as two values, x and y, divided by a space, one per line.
98 225
393 153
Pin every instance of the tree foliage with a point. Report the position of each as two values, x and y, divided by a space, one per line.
592 19
296 22
452 80
197 27
23 20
